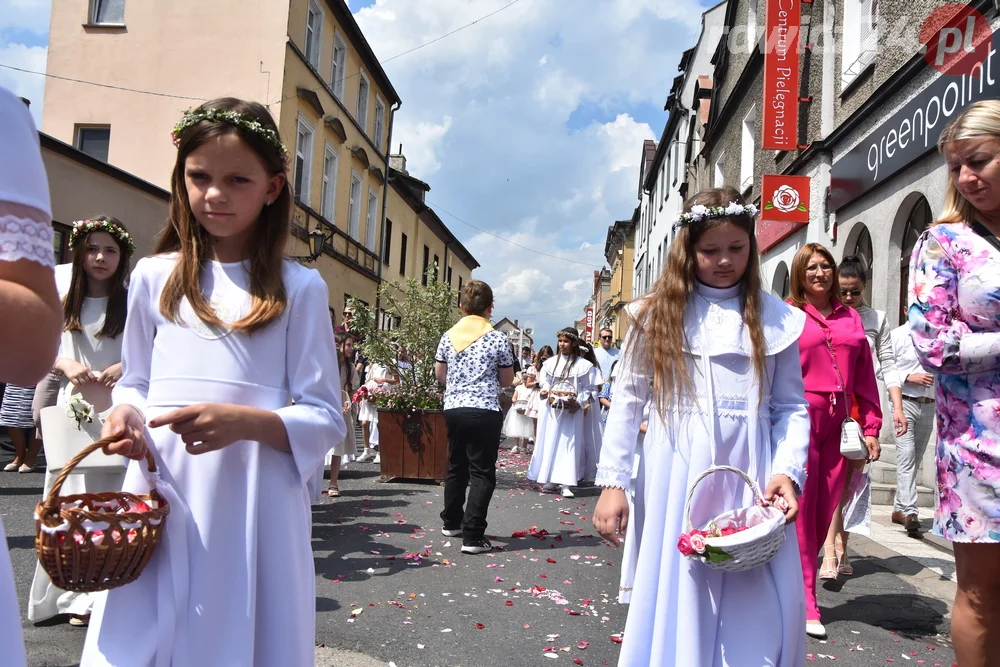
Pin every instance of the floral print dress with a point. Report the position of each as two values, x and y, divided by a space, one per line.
954 317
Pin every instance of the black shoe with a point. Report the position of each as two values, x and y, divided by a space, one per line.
480 546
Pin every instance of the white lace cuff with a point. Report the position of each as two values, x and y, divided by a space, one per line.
793 472
23 238
613 477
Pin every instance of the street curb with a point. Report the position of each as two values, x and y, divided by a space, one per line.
927 581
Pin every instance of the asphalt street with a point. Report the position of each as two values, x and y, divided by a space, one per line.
392 590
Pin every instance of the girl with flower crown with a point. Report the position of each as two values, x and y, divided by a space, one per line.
569 383
717 360
231 382
89 364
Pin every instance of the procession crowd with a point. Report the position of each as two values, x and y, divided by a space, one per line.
728 434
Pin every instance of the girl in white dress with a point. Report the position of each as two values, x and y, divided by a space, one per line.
89 359
350 383
231 380
517 424
568 384
723 362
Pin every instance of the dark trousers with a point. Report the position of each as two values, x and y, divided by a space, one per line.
473 445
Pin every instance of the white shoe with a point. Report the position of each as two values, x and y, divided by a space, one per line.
566 493
378 458
365 456
513 450
815 629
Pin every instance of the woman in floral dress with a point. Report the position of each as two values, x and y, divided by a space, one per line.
954 316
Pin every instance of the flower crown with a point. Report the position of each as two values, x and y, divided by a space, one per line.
195 116
81 228
699 213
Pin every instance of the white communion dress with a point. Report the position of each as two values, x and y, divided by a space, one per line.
232 581
559 450
681 611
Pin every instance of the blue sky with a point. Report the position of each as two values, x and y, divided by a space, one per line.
528 124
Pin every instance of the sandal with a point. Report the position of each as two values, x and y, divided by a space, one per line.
843 564
334 492
829 570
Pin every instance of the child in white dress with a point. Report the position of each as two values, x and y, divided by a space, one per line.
517 424
723 381
89 362
568 384
231 380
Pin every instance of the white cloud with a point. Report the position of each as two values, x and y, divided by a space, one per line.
524 124
30 86
28 15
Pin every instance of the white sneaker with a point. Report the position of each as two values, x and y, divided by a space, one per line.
566 493
452 532
366 455
378 458
815 629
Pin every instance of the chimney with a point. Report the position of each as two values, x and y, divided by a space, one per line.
515 325
398 161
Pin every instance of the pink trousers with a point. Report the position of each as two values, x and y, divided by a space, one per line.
826 474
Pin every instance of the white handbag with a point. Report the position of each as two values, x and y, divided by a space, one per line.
66 435
852 441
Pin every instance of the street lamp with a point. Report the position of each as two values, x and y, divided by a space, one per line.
317 242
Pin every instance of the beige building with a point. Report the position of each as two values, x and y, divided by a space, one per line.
619 251
82 187
306 59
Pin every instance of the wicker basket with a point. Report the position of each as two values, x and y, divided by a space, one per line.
95 541
749 548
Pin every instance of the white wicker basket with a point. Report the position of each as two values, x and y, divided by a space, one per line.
746 549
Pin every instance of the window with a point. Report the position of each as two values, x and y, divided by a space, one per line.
427 261
94 141
752 26
372 219
402 254
863 251
747 150
719 180
860 40
449 276
379 122
437 268
919 219
663 181
387 241
677 154
107 12
329 182
458 301
363 89
303 160
354 208
339 66
314 33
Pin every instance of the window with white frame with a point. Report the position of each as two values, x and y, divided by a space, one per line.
314 33
719 180
372 220
329 181
354 208
339 66
303 160
747 149
677 152
107 12
363 90
860 40
752 26
379 122
663 181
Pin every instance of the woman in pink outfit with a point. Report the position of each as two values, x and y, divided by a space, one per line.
836 364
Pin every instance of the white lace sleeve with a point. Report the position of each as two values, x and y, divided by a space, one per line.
24 238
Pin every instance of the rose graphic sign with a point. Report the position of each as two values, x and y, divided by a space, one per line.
784 208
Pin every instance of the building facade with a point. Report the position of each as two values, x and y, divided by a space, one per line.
307 60
619 251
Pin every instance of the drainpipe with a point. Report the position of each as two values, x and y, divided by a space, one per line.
826 98
385 203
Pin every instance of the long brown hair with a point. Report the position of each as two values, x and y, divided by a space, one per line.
977 120
546 352
185 236
660 317
114 316
797 279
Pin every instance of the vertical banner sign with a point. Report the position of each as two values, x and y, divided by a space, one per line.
780 110
784 208
588 333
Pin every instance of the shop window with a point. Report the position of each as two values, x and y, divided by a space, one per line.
863 251
918 220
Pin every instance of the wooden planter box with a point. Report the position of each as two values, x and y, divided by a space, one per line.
413 446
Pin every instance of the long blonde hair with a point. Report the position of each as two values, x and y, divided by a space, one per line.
660 319
185 236
977 120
